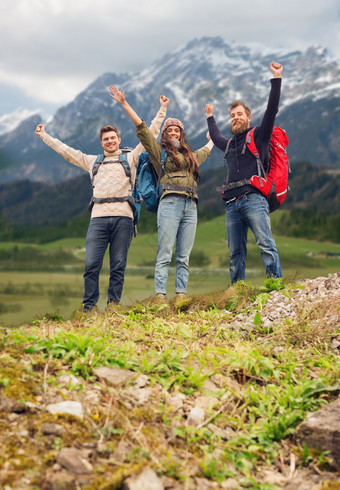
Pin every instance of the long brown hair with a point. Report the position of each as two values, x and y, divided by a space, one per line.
185 150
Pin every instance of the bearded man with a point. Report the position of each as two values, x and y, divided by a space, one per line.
246 207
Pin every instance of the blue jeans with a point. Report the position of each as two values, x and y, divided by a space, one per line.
252 212
176 220
116 231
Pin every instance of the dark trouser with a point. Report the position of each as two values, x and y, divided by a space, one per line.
116 231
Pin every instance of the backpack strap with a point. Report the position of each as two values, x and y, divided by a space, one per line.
225 158
164 156
122 159
96 165
250 144
190 190
126 167
233 185
162 171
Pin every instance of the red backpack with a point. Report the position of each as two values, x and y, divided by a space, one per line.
274 184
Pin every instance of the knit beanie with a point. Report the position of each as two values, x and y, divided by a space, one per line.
171 121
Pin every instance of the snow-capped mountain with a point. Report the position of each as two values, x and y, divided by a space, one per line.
9 122
206 70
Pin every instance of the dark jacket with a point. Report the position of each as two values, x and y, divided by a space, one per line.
243 166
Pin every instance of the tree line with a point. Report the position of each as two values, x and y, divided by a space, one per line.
34 212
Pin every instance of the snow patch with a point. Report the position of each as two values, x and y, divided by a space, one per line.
8 122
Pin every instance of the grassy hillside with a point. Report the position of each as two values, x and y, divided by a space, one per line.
35 279
200 394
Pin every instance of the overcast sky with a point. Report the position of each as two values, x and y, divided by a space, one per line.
52 49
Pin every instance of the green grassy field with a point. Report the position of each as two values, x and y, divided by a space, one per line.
25 294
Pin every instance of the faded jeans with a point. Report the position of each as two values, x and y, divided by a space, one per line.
117 232
176 220
252 212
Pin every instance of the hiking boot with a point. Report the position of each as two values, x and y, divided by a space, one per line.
179 298
181 295
111 307
159 299
91 311
84 312
181 302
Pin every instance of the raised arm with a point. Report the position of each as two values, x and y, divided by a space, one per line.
76 157
204 152
209 108
266 128
120 97
214 133
210 143
155 123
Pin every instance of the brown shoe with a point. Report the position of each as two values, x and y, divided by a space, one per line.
91 312
181 295
159 299
111 307
179 298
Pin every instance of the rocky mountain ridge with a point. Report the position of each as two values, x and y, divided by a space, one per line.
205 70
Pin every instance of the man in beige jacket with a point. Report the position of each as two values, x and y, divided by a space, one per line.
111 220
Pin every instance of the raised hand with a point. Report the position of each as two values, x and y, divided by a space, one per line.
40 130
164 101
276 69
116 94
209 108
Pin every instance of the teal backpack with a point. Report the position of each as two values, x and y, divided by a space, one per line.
147 188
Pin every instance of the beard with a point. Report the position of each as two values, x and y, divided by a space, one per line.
238 129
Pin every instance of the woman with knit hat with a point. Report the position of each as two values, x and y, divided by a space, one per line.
177 210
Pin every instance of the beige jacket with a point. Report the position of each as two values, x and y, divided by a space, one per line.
111 180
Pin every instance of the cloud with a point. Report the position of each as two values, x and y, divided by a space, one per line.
55 48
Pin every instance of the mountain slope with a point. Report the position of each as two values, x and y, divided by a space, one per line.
205 70
45 212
